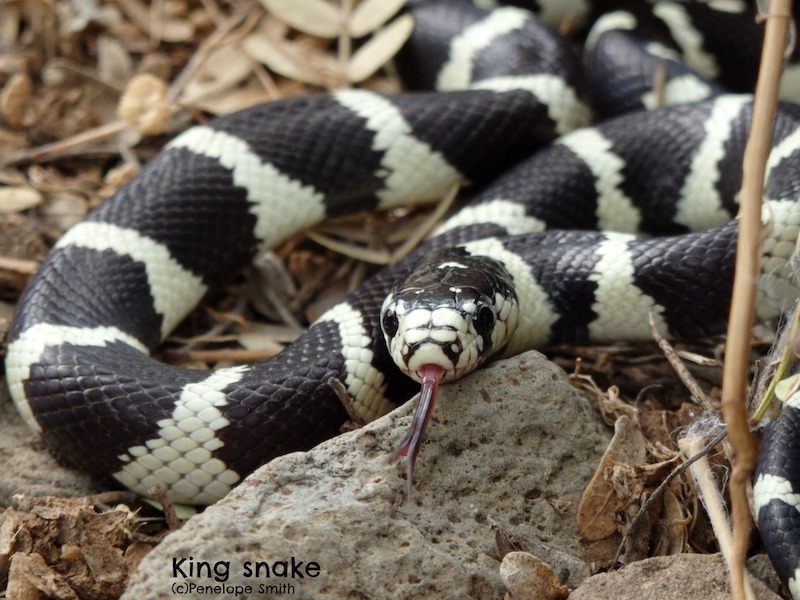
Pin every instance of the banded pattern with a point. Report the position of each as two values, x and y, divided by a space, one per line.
217 193
116 284
776 494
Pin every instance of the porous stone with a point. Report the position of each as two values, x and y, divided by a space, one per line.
684 576
510 448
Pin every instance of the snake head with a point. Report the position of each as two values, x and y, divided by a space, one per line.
454 311
442 321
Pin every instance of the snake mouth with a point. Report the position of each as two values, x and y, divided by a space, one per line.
450 358
431 375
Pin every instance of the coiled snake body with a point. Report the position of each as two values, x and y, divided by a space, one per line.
117 283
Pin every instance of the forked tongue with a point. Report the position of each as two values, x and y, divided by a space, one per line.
409 447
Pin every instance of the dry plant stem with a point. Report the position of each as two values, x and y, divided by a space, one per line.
384 257
711 496
72 144
370 255
214 12
428 225
344 397
224 354
683 373
18 265
660 82
247 11
159 494
744 286
156 25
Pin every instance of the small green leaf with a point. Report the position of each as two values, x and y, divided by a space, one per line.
787 387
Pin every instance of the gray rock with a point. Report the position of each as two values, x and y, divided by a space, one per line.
512 445
681 576
761 568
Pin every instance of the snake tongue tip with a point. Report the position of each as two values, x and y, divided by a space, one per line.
409 447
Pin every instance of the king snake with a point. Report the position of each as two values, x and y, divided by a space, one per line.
549 248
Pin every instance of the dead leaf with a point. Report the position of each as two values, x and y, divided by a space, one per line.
677 523
14 97
158 27
379 49
64 209
31 579
114 62
504 541
232 100
18 198
9 24
787 387
315 17
639 536
223 68
64 548
368 15
615 484
282 57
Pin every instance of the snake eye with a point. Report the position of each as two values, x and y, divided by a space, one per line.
390 322
483 320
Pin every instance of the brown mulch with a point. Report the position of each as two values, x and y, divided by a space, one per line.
87 96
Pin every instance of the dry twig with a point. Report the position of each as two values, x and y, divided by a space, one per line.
711 495
744 287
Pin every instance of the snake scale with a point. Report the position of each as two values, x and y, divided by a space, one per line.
559 205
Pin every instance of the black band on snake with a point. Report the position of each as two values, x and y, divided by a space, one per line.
519 267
